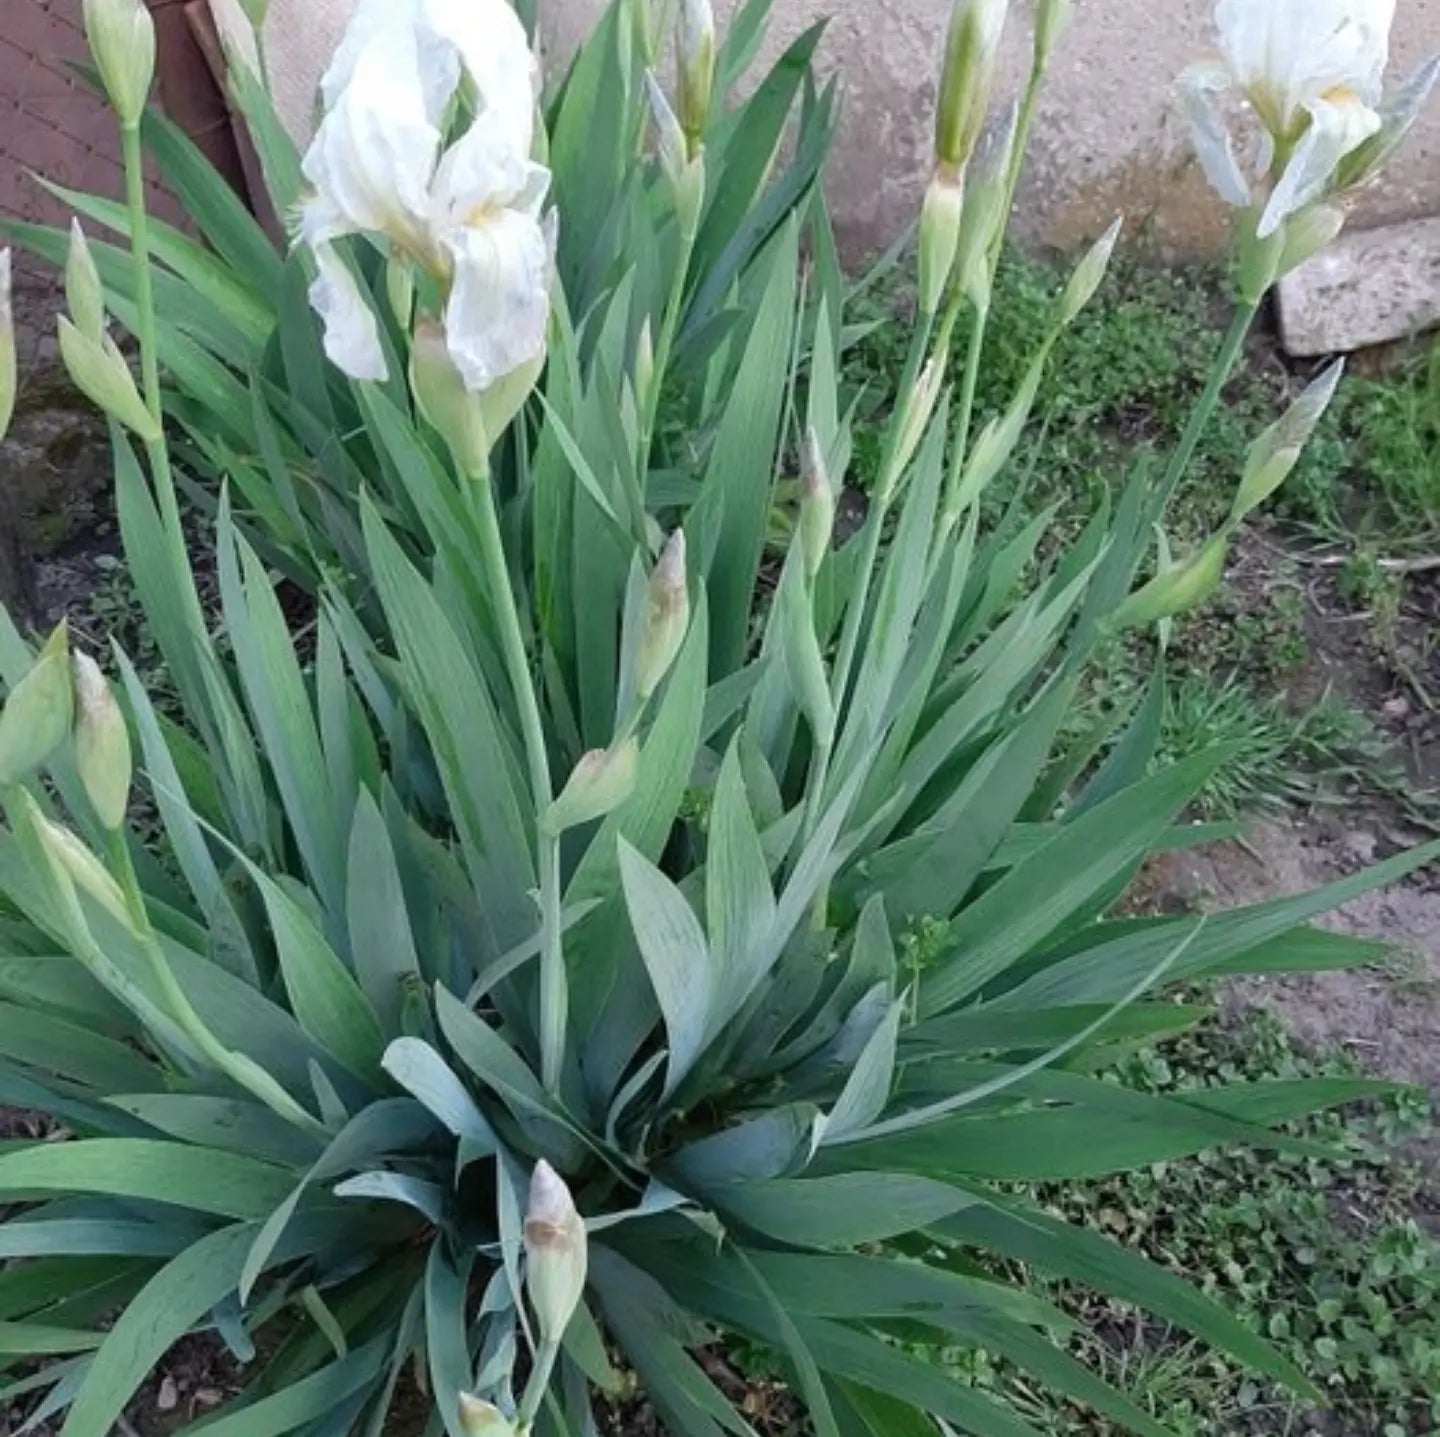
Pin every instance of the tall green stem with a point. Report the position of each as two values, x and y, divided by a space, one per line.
669 325
554 998
177 1006
157 451
875 519
1220 372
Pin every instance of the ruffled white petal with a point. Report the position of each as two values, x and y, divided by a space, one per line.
1288 53
352 335
373 157
491 44
1336 128
1202 87
500 301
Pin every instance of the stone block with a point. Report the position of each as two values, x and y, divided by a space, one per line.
1370 287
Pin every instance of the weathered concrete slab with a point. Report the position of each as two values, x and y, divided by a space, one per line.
1109 137
1370 287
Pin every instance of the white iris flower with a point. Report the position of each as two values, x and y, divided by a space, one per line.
469 214
1312 71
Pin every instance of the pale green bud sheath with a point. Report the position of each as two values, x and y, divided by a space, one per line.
601 782
84 295
84 869
1276 452
971 50
101 374
121 36
983 217
817 505
1051 18
102 743
1089 274
36 718
1177 590
556 1254
667 619
695 48
645 364
442 398
685 171
940 218
479 1418
9 368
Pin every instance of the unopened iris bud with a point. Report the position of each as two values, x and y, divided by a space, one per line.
804 662
36 718
1177 590
1089 274
100 373
121 35
601 782
686 172
696 50
1276 452
441 396
939 236
919 409
70 858
102 743
1051 18
817 505
9 368
645 364
983 219
479 1418
971 51
556 1253
667 620
84 295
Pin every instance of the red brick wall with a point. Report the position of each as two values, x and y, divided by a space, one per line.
51 124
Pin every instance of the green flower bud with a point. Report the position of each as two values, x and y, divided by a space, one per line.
448 407
9 370
803 660
483 1419
971 50
122 39
645 364
982 221
84 295
601 782
102 743
667 621
555 1253
36 718
686 172
919 409
939 236
1089 274
1277 451
1051 18
100 373
1177 590
817 505
73 862
998 440
696 54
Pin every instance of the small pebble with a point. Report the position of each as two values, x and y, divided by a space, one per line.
168 1397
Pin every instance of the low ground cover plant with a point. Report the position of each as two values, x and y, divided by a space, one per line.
579 928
